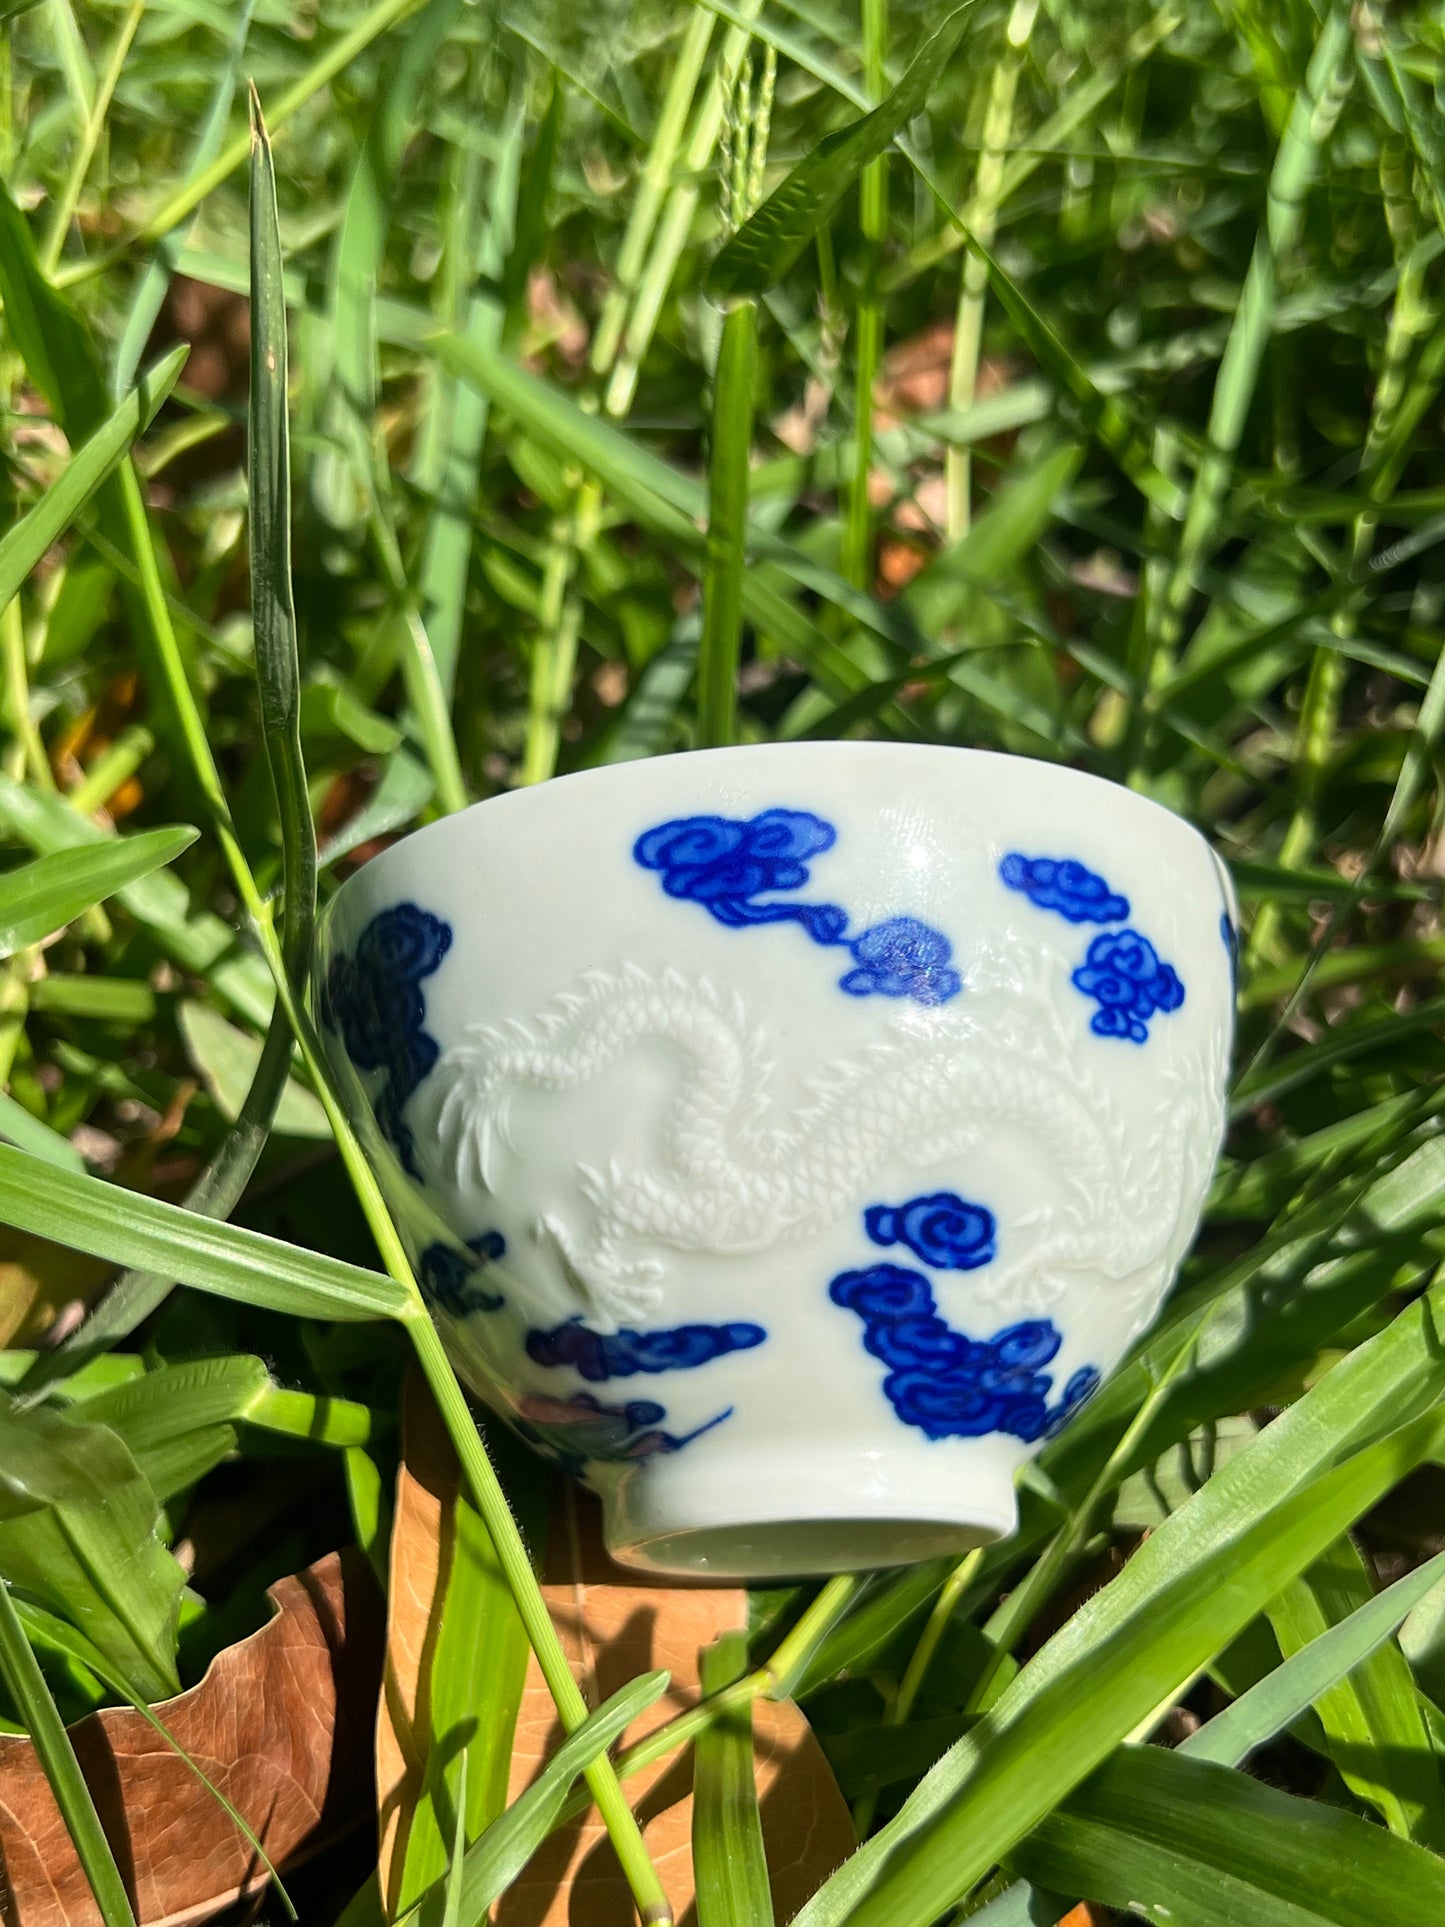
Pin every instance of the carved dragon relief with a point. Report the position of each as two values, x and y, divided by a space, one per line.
746 1164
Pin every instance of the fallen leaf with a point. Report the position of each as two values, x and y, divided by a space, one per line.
279 1724
614 1625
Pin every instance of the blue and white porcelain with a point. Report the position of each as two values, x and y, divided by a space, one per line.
790 1138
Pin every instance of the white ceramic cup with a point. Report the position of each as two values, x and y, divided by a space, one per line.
790 1137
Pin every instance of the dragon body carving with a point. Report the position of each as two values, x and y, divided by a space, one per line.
747 1164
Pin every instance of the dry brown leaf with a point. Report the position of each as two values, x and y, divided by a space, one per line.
279 1723
614 1625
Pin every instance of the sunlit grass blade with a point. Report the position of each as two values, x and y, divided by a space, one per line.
1269 1707
273 614
447 463
27 540
654 182
66 202
215 1194
480 1474
1261 1519
1315 111
770 241
1372 1718
1187 1843
27 1688
197 940
1081 103
31 1134
90 1215
45 895
727 1836
981 219
184 200
150 292
734 393
492 1863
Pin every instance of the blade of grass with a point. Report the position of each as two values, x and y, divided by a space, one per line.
150 293
1372 1719
45 895
1270 1706
68 199
770 241
678 215
73 56
1316 109
734 394
268 322
184 200
981 218
273 614
450 450
26 541
27 1688
654 182
727 1836
857 541
493 1862
88 1214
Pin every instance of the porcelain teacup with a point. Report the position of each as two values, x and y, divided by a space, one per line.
790 1138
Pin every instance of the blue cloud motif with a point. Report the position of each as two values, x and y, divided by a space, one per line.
946 1384
374 1001
726 864
622 1354
450 1282
902 958
1124 975
581 1431
942 1229
1065 885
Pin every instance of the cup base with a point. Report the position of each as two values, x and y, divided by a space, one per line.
796 1516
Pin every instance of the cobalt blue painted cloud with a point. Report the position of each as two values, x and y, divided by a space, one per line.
1125 976
902 958
622 1354
1065 885
725 863
1122 972
729 864
583 1430
942 1229
373 998
451 1283
946 1384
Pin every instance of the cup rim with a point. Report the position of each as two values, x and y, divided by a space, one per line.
519 801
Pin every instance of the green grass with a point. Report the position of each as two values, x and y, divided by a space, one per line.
664 375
